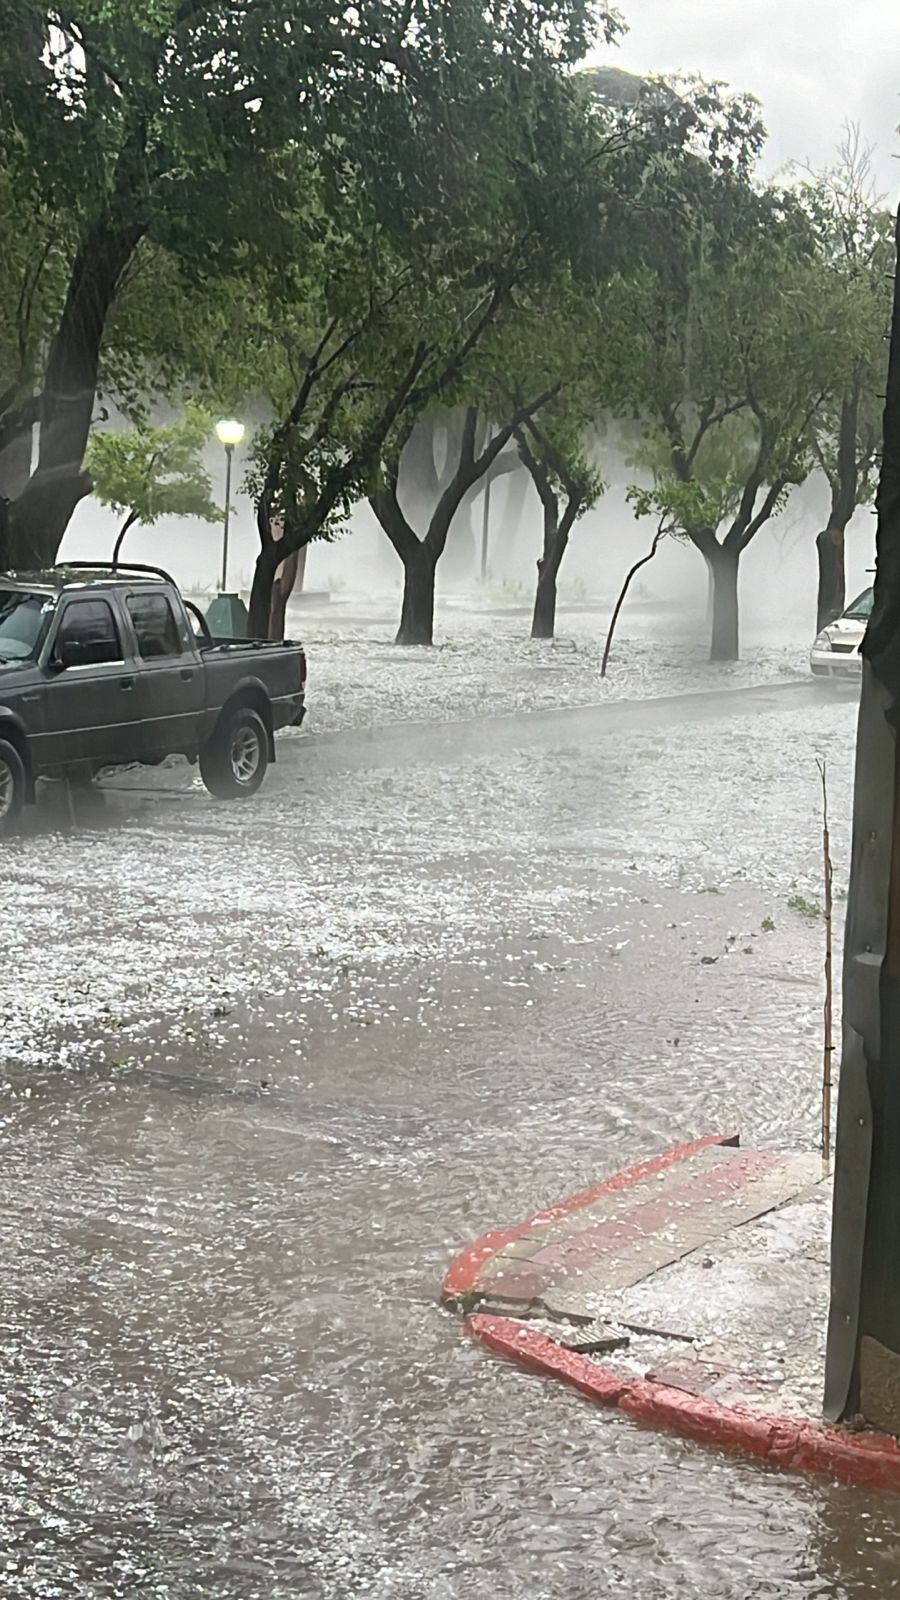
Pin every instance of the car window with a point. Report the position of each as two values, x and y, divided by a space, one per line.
88 634
862 606
23 620
154 621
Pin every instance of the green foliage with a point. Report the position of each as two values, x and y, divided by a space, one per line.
732 346
148 473
224 153
36 252
376 325
755 347
854 236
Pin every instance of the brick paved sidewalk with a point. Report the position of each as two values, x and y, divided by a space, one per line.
691 1290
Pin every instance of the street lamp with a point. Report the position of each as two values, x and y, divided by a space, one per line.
229 432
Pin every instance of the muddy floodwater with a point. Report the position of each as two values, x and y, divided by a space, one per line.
267 1068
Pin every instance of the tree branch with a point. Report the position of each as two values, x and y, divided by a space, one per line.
539 474
344 473
773 495
453 367
472 467
387 508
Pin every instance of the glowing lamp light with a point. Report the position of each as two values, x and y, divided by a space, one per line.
229 432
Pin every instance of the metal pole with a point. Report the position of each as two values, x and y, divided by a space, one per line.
229 452
485 530
862 1368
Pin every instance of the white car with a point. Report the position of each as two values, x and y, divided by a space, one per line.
835 653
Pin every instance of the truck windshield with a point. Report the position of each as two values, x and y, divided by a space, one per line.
22 621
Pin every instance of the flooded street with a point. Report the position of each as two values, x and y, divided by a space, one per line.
310 1047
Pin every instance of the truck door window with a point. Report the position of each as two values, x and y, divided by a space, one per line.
154 622
88 635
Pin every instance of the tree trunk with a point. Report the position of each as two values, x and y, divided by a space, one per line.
15 466
286 579
556 540
129 522
38 517
832 591
543 622
423 483
417 615
725 642
267 564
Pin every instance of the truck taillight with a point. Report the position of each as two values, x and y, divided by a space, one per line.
303 669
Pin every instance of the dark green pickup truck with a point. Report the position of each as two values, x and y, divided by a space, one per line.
105 667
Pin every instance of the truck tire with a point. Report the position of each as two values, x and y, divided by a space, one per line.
234 762
13 784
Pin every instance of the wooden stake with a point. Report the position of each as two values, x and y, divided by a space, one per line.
828 1050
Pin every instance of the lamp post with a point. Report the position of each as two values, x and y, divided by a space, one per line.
229 432
486 515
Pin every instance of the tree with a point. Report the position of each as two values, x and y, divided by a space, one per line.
853 234
34 265
567 486
400 317
158 129
427 465
544 331
420 555
556 344
147 473
735 365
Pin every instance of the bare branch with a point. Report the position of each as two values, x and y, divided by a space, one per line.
539 474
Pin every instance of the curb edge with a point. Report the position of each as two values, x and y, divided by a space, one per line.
867 1460
461 1279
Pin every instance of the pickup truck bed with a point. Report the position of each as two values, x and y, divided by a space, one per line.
107 667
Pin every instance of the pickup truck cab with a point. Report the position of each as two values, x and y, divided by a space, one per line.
106 667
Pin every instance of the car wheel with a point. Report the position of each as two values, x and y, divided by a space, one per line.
13 784
234 762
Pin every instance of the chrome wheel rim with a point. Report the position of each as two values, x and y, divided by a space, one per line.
245 754
7 789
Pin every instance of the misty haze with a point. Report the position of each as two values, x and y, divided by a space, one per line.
449 854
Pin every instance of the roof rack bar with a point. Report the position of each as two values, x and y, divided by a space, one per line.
116 566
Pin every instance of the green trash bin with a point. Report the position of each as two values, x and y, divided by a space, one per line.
228 617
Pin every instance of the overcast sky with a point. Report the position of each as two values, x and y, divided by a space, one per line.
812 63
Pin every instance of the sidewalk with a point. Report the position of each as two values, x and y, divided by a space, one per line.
691 1292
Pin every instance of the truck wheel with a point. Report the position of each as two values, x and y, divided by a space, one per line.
234 762
13 784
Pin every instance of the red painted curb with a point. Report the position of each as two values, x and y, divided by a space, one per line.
869 1460
462 1277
